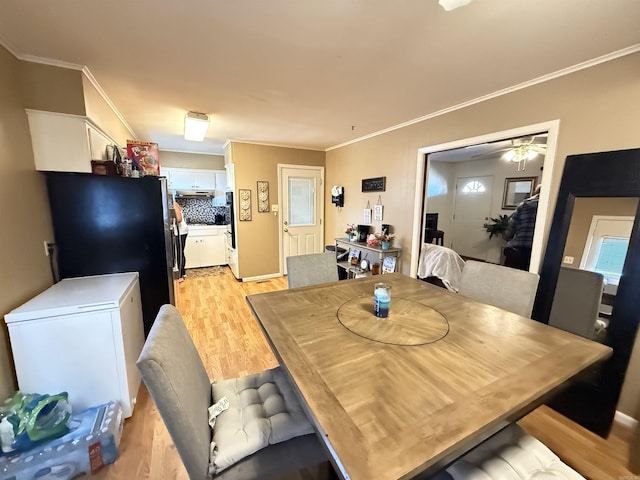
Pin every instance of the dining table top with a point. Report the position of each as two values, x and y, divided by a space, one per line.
406 395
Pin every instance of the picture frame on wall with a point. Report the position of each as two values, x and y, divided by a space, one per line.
377 212
244 205
516 189
263 196
366 216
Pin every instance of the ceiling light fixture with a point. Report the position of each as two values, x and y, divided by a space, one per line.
195 126
520 154
449 5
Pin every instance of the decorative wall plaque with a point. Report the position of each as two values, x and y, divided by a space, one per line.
263 196
377 184
377 210
366 214
244 207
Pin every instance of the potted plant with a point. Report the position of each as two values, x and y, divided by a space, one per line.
351 232
499 226
384 239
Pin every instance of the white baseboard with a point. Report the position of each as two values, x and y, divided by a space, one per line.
261 277
625 420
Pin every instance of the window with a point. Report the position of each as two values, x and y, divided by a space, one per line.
606 246
611 255
301 201
474 186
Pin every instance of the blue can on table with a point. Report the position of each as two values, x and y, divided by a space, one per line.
381 300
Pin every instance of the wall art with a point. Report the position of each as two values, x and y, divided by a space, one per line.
263 196
366 214
378 184
377 210
244 207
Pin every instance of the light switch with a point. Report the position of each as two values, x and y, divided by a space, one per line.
568 260
274 208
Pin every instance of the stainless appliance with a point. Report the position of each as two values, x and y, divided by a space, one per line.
231 222
112 225
195 194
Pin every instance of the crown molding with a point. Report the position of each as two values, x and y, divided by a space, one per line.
71 66
51 62
274 145
87 73
190 152
545 78
13 50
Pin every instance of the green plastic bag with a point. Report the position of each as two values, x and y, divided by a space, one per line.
27 419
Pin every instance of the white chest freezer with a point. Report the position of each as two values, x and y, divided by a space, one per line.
83 336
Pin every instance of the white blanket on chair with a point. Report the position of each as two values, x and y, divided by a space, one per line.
441 262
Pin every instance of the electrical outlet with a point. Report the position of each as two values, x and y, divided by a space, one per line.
568 260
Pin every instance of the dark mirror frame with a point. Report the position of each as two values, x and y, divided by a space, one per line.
592 401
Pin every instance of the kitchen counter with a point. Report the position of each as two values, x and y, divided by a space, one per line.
202 226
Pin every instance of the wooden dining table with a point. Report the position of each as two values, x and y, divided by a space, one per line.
406 395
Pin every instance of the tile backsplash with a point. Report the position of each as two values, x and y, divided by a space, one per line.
201 210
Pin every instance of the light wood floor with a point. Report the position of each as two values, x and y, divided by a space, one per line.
231 344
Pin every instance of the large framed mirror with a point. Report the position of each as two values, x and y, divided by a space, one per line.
597 179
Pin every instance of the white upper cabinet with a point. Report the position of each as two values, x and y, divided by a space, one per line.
231 180
192 179
65 143
221 180
187 179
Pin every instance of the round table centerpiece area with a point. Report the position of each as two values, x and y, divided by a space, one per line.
409 323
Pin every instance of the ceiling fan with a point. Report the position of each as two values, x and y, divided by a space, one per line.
520 149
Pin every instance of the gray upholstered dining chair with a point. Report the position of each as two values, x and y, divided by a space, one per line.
576 302
507 288
311 269
510 454
263 434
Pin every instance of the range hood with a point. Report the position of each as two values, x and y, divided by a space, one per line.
195 193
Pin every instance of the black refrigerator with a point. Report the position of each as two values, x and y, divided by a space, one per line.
107 224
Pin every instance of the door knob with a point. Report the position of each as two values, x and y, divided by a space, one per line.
286 229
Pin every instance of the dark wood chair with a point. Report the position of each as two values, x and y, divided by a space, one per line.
431 231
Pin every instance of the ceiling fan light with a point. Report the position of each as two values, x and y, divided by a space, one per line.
531 154
510 156
195 126
449 5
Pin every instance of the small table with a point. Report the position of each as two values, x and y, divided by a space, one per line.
405 396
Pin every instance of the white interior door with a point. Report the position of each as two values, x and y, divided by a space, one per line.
301 225
471 211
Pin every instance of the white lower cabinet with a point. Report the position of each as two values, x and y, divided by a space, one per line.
232 260
205 247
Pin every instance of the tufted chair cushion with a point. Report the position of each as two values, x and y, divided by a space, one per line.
263 410
512 454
